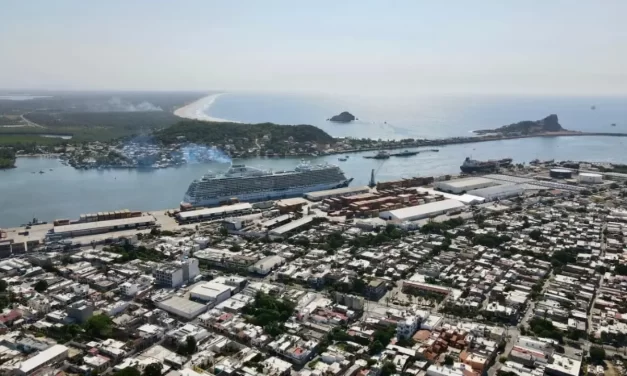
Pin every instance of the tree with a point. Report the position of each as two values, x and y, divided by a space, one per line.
41 285
376 347
597 355
388 369
3 285
99 326
191 344
448 360
128 371
153 369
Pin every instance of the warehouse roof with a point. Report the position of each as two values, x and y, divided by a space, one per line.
292 225
186 306
467 182
465 198
210 289
211 211
503 188
103 224
336 192
36 361
425 210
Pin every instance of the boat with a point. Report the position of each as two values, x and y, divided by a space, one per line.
41 172
470 165
613 124
249 184
380 155
342 159
405 153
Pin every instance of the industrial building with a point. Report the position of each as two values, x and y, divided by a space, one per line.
214 213
267 264
561 173
51 355
340 192
499 192
589 178
464 185
100 227
211 292
465 198
289 227
414 213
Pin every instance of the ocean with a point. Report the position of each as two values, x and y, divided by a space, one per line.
66 193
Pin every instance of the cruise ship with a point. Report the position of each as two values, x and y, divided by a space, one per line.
247 183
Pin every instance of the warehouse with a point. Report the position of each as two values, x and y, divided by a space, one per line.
267 264
560 173
414 213
589 178
499 192
214 213
291 226
184 308
348 191
464 185
100 227
211 292
465 198
49 356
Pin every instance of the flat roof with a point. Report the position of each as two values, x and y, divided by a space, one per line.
426 209
103 224
498 189
292 201
29 365
465 182
465 198
292 225
180 304
218 210
338 191
211 289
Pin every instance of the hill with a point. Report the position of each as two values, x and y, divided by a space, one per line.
548 124
239 133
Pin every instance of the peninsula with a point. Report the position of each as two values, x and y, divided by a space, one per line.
344 117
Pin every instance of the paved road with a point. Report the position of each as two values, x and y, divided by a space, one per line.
30 123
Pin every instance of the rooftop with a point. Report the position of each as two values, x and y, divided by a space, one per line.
103 224
213 211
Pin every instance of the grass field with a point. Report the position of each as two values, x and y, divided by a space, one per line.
16 139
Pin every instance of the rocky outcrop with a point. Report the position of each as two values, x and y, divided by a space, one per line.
344 117
548 124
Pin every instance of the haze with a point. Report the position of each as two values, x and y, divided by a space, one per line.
530 47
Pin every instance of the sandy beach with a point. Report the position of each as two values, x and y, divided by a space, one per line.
198 110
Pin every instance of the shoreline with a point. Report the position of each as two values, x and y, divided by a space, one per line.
197 110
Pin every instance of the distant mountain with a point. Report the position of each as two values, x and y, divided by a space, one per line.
344 117
548 124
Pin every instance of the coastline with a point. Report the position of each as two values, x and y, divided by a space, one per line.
197 110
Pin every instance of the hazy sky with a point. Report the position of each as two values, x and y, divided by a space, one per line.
488 46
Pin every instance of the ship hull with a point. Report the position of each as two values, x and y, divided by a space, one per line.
269 195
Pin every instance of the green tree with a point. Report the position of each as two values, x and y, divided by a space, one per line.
128 371
99 326
153 369
41 285
388 369
597 355
449 360
3 285
376 347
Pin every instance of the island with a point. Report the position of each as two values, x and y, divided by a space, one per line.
344 117
549 124
7 158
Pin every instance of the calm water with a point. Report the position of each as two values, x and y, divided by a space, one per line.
67 193
422 117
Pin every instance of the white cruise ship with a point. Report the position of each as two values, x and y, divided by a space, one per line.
252 184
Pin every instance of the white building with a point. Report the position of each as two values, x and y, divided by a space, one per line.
464 185
40 303
267 264
499 192
212 292
169 275
129 289
589 178
414 213
51 355
562 366
407 327
181 307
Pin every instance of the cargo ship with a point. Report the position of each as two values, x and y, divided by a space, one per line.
471 165
405 153
249 184
380 155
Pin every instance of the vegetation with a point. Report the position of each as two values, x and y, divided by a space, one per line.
7 158
269 312
357 286
388 369
389 234
242 135
130 253
545 328
128 371
380 339
189 347
449 360
433 227
41 286
153 369
99 326
597 355
490 240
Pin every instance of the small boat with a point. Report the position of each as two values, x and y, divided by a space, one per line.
347 157
405 153
593 107
41 172
613 124
50 169
341 159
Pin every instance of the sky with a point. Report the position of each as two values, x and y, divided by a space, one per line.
547 47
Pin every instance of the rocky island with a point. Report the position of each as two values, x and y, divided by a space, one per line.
344 117
547 125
